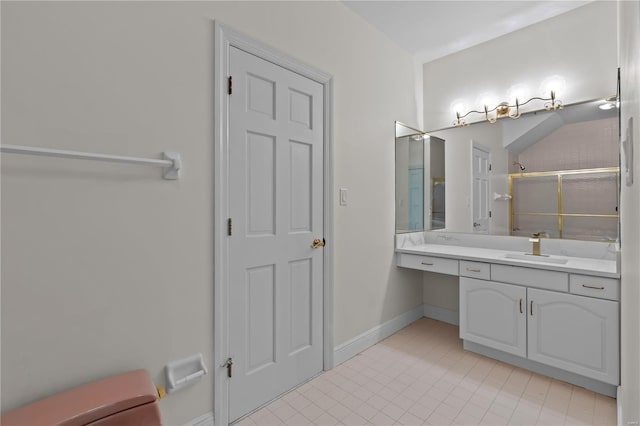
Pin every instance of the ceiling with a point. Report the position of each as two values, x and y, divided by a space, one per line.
433 29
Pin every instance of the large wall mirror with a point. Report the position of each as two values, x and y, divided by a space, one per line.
420 180
553 172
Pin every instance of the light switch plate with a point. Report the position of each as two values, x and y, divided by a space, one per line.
343 196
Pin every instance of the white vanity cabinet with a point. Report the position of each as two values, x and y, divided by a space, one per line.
492 314
557 315
574 333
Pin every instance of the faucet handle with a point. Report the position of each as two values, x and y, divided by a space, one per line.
536 234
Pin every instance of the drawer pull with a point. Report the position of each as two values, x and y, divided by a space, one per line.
521 306
532 308
593 287
427 263
473 270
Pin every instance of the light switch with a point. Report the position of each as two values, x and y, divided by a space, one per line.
343 196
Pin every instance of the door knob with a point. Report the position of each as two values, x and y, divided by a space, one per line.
317 243
476 224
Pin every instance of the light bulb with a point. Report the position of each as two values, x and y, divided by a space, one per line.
554 83
518 91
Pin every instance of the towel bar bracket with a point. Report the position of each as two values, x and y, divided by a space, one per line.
173 171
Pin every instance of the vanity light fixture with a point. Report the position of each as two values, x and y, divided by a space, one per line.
504 109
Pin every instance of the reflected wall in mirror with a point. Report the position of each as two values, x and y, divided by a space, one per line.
420 180
553 172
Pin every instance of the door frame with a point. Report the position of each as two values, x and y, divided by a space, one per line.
483 148
225 38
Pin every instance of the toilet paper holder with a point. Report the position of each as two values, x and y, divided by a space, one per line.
184 372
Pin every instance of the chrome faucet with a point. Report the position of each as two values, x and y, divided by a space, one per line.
535 239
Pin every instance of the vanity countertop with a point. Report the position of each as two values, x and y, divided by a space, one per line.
579 265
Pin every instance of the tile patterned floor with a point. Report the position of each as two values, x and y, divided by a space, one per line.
421 375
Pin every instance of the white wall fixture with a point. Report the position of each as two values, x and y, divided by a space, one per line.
171 161
627 147
343 196
184 372
501 197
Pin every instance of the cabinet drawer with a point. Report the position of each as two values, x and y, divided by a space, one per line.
540 278
428 263
603 288
475 270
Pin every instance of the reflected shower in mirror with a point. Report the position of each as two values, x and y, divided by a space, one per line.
553 172
420 183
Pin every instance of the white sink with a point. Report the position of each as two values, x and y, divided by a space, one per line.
531 258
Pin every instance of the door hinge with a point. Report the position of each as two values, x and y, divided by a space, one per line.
229 227
230 91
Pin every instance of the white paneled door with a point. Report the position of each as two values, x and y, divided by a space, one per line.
276 210
481 177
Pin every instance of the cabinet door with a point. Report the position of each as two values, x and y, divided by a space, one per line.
574 333
493 315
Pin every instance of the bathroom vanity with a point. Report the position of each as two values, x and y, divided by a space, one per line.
557 314
552 306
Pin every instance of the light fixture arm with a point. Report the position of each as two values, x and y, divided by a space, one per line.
553 105
517 113
486 114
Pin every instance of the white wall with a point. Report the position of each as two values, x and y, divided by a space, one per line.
629 48
565 46
107 268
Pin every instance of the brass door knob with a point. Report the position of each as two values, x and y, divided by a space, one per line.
317 243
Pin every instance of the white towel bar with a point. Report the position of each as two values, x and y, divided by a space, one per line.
171 160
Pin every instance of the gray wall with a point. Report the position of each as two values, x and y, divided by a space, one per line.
107 268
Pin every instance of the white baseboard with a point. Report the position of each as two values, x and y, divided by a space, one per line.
353 347
203 420
442 314
619 404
